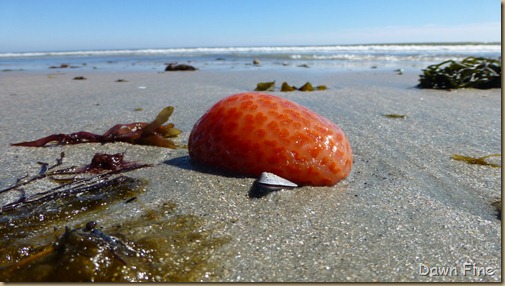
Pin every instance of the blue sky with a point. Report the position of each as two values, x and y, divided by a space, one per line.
58 25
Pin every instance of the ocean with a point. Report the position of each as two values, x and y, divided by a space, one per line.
335 57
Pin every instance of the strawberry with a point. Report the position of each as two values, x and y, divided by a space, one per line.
250 133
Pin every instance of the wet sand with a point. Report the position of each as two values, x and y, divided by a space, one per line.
406 210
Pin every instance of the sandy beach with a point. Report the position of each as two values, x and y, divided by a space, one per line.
407 211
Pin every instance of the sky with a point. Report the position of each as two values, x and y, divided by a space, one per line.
65 25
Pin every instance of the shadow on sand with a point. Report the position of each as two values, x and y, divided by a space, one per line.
184 162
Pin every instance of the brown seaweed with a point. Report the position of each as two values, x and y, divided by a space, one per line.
104 165
102 162
87 237
394 115
149 249
306 87
477 161
142 133
159 246
265 86
286 87
179 67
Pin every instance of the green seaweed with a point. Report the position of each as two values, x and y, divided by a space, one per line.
270 86
471 72
164 248
265 86
306 87
477 161
286 87
394 115
158 246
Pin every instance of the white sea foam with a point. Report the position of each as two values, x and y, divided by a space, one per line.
338 56
318 52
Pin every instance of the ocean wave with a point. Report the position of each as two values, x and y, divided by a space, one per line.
321 52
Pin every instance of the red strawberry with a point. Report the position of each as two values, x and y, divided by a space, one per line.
250 133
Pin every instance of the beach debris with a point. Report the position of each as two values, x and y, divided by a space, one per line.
179 67
306 87
133 249
394 115
274 181
267 183
142 133
138 109
79 78
74 187
265 86
399 71
64 66
251 133
471 72
77 246
477 161
148 248
285 87
61 66
121 80
256 62
106 162
303 66
12 70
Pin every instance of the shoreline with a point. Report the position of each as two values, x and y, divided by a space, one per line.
405 204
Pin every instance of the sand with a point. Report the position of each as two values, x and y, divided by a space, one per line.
406 211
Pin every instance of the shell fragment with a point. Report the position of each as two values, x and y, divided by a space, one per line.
274 181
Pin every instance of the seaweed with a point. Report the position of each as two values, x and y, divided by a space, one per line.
471 72
174 249
306 87
394 115
179 67
285 87
142 133
477 161
78 191
158 246
265 86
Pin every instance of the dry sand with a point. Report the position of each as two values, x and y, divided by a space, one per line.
406 205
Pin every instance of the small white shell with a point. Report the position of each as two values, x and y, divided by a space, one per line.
273 180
